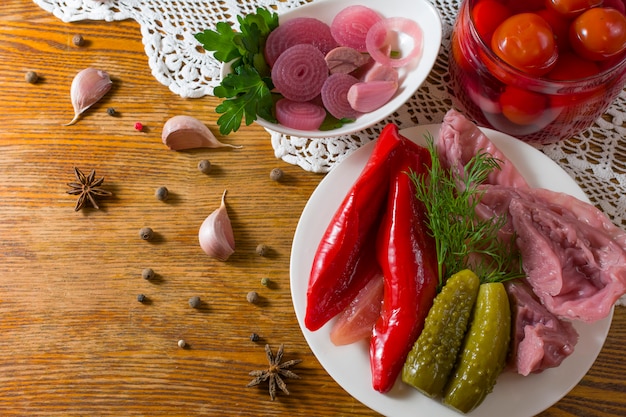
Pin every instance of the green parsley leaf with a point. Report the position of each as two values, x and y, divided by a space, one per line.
247 89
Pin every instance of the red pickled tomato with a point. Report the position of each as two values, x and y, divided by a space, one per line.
521 106
526 41
571 67
572 7
560 27
599 33
487 16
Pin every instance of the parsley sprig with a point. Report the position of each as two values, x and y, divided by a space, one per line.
461 238
247 88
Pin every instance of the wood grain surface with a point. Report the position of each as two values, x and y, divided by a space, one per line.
74 340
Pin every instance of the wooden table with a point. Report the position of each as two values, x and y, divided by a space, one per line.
74 340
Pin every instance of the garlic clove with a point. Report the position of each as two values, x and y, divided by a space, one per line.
88 87
216 233
186 132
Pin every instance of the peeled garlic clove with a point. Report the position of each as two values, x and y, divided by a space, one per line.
88 87
369 96
216 234
186 132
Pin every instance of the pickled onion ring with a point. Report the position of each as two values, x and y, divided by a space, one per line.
335 95
302 115
350 26
300 72
379 35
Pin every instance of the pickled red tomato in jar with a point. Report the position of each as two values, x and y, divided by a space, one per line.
539 70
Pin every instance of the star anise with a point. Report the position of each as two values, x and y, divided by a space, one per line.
275 372
88 188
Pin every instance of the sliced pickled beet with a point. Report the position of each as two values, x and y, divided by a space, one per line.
350 26
335 95
302 115
300 72
301 30
522 107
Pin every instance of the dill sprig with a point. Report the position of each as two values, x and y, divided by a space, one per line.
462 239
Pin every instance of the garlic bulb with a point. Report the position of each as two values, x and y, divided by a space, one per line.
88 87
186 132
216 234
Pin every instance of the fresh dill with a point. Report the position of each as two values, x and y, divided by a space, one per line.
463 240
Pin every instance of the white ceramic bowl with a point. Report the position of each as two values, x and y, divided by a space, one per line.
411 76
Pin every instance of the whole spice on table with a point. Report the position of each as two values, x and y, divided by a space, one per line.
195 302
252 297
345 258
254 337
78 40
147 273
262 250
138 126
141 298
182 344
204 166
275 373
216 233
407 256
276 174
88 188
162 193
88 87
265 282
111 111
146 233
31 77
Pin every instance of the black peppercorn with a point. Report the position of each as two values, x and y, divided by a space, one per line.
31 77
254 337
194 302
204 166
78 40
110 111
146 233
161 193
141 298
147 273
276 174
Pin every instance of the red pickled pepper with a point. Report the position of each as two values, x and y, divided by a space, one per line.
407 255
345 258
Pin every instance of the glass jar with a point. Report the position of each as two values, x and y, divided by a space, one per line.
484 87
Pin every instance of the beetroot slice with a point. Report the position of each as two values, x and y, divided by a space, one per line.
350 26
301 30
335 95
300 72
299 115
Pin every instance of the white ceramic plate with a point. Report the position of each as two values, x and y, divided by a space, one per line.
411 76
514 395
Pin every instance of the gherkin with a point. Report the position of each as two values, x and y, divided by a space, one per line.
431 361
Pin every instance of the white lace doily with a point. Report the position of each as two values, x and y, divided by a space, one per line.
177 61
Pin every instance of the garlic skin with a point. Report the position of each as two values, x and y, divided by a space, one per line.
88 87
216 233
186 132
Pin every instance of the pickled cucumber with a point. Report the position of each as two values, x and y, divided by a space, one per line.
431 360
484 350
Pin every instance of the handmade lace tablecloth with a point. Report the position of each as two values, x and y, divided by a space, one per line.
596 158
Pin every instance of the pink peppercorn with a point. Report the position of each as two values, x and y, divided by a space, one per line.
139 126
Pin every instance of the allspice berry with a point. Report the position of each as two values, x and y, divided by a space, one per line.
252 297
147 273
146 233
162 193
78 40
276 174
31 77
194 302
204 166
262 250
